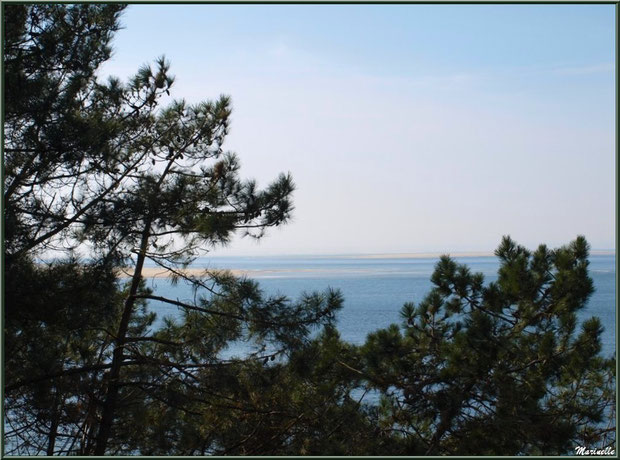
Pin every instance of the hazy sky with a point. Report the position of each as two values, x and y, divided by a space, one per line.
406 128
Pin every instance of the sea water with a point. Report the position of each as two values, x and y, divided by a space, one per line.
375 289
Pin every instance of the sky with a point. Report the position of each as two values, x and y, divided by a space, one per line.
406 128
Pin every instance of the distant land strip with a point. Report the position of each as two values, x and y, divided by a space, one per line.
436 255
421 255
157 272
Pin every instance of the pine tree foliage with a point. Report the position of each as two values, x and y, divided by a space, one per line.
125 175
501 368
54 316
288 402
60 125
108 169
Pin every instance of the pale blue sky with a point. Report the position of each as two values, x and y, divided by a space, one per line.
407 128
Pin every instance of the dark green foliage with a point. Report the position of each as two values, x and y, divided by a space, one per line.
106 170
279 403
56 128
497 369
57 350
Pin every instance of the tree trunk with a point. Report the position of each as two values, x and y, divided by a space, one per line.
109 405
51 443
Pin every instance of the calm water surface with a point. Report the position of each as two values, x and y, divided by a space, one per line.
375 289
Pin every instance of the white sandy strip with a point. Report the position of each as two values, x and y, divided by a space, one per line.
155 272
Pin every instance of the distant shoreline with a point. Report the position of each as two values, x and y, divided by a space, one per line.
421 255
157 272
385 255
436 255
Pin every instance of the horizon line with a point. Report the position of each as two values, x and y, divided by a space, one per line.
395 255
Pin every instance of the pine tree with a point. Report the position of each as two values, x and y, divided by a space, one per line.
54 316
61 127
497 369
108 170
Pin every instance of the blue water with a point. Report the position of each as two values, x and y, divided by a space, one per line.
375 289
